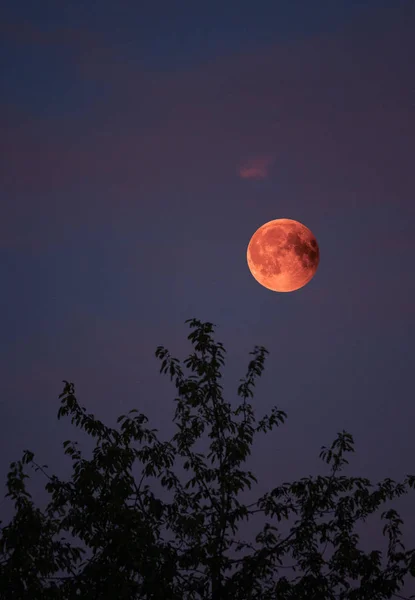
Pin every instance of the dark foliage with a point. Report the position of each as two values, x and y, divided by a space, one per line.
105 534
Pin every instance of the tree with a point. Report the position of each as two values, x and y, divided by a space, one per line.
136 545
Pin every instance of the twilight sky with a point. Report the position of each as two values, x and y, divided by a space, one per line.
140 150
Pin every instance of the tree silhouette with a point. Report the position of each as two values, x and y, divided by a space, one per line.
136 545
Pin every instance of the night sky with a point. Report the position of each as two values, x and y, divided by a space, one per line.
142 144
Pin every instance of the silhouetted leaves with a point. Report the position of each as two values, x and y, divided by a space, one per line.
106 534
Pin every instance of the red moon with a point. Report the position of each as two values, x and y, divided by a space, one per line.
283 255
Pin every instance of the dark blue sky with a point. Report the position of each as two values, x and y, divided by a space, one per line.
125 131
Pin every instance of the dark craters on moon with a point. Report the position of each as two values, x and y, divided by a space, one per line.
306 250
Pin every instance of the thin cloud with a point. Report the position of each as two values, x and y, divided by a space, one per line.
26 33
147 123
256 168
85 48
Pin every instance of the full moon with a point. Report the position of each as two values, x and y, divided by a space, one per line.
283 255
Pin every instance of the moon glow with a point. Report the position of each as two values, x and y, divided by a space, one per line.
283 255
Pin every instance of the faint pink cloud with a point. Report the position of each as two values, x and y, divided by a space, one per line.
85 48
27 33
256 168
307 107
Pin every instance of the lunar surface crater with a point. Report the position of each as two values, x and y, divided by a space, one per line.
283 255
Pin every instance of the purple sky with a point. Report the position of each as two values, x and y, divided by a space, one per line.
141 149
